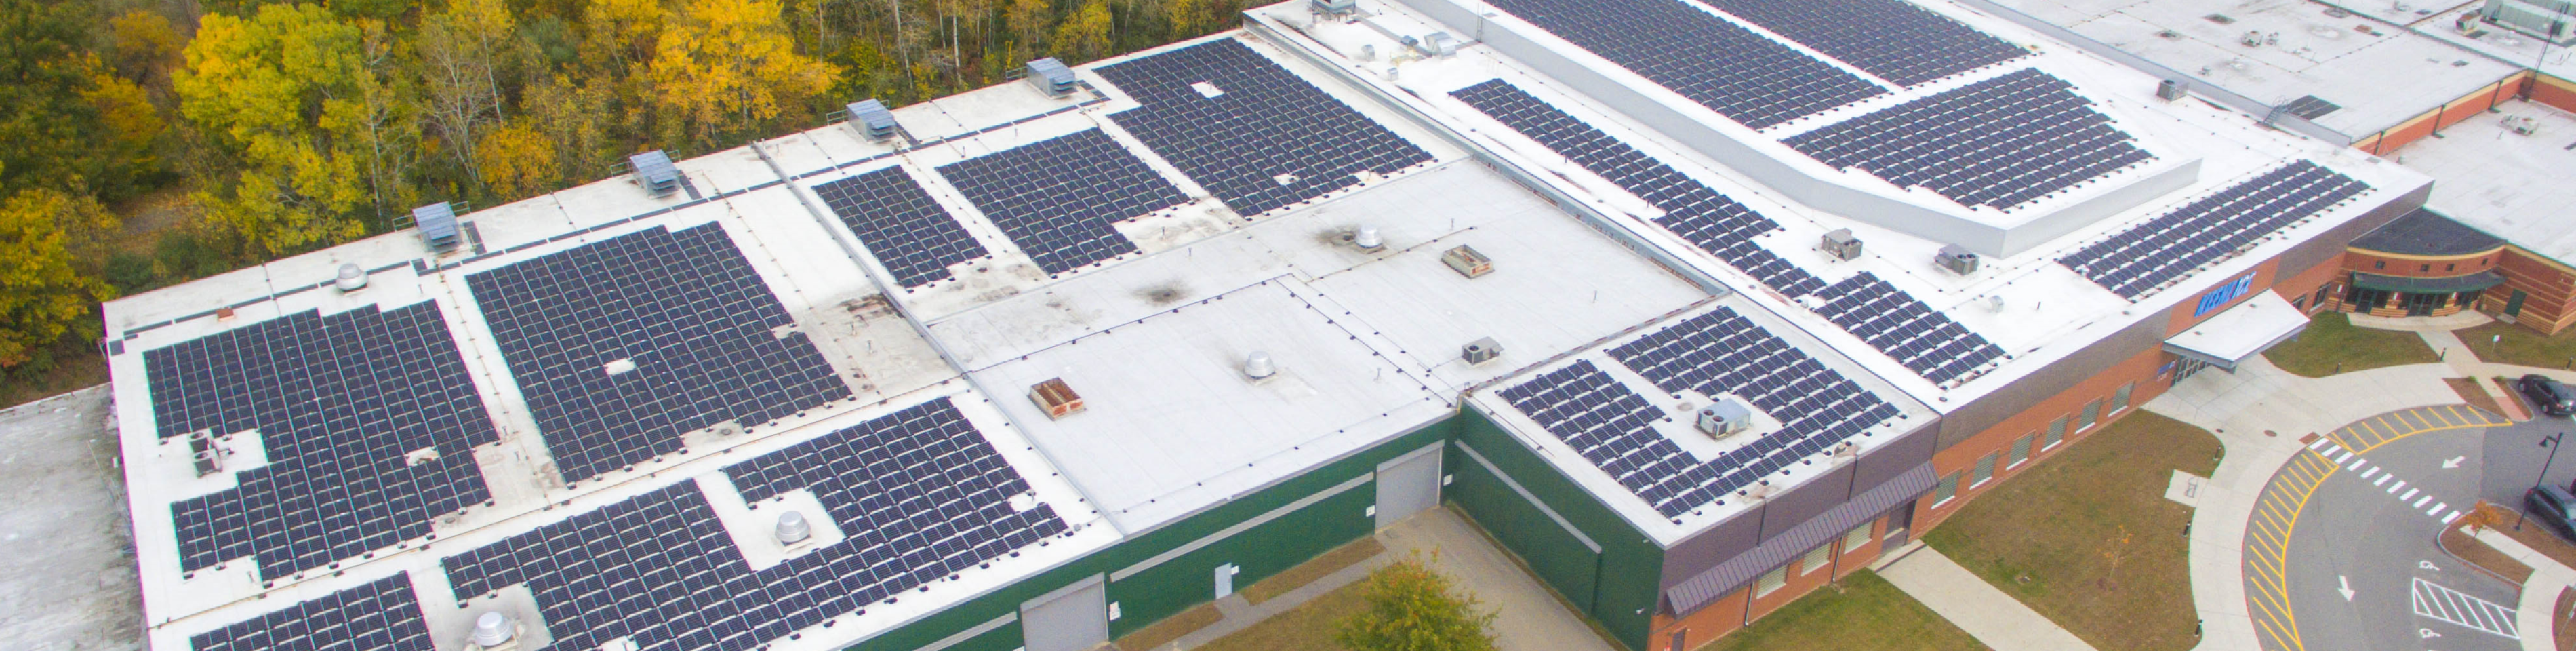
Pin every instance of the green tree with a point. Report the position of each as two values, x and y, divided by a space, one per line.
1414 608
47 75
730 69
42 296
1084 35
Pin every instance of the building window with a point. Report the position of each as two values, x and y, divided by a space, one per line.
1772 582
2379 264
1816 559
2056 434
1949 488
2120 398
1858 536
2092 415
2423 268
1985 470
2321 293
2451 267
2020 450
2300 304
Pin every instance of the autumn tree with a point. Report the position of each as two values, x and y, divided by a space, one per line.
518 161
460 59
1411 607
145 45
54 108
1084 35
730 69
260 87
42 295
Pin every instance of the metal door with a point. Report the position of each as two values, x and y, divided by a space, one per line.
1408 485
2513 307
1074 618
1225 579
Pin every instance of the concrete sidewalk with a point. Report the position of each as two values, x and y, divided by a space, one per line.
1994 618
2534 617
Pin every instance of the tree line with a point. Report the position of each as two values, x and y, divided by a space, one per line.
253 130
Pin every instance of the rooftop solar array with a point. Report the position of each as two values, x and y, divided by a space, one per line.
1742 75
1924 340
1058 198
380 616
2310 107
2152 255
920 495
1715 353
1261 126
366 418
705 338
901 225
1998 143
1892 39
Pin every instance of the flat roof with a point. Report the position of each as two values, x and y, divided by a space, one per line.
2498 179
2425 232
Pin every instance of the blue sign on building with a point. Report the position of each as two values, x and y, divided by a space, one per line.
2225 293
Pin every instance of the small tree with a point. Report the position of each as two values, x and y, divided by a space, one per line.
1412 608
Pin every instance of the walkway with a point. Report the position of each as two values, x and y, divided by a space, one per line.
1994 618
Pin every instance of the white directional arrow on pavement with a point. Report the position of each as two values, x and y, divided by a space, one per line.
2454 462
2347 587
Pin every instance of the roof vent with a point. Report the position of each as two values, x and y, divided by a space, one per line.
492 630
1958 260
873 120
202 451
437 223
654 171
1467 261
1436 44
1333 7
1051 77
1481 351
1840 244
1056 398
1368 238
2170 90
350 279
1726 417
1258 366
792 528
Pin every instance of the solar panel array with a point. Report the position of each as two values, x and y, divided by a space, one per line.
685 308
1925 340
1892 39
1264 123
919 494
898 221
2310 107
380 616
1057 198
1999 143
1714 353
2149 256
1896 323
1742 75
340 402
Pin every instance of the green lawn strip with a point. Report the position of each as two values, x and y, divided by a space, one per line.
2332 339
2506 343
1307 627
1863 611
2087 538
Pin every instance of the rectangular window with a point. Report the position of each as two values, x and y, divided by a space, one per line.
1858 536
1816 559
2120 399
2321 293
1985 470
2300 304
2092 414
2056 435
2020 450
1772 582
1949 488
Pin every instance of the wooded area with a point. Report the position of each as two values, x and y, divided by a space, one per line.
152 142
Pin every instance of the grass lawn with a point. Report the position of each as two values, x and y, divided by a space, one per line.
2520 345
2332 339
1863 612
2088 539
1308 627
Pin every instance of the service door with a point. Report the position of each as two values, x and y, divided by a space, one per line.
1408 485
1075 618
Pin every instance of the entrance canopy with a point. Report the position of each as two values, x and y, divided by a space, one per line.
2240 332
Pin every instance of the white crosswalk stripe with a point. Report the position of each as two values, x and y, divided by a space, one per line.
2434 601
2414 497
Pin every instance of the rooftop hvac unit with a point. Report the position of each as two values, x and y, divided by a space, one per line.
1726 417
1841 244
872 119
1437 44
1057 398
2169 90
1958 260
1333 7
437 224
201 450
1481 351
654 171
1051 77
1467 261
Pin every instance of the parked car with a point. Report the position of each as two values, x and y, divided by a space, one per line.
2552 397
2553 505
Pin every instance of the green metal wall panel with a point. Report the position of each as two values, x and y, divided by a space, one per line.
1627 573
1262 551
1557 557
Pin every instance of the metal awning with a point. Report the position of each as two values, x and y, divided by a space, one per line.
2240 332
2453 284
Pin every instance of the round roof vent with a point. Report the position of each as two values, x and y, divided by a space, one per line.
491 629
793 529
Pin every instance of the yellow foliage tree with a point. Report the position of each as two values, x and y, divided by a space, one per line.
256 86
620 33
42 295
132 124
146 44
518 161
730 67
1084 35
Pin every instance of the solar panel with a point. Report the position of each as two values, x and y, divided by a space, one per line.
367 421
1264 125
1892 39
2155 254
1742 75
2310 107
1714 353
1923 339
898 221
2000 143
382 615
1057 198
622 345
919 495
